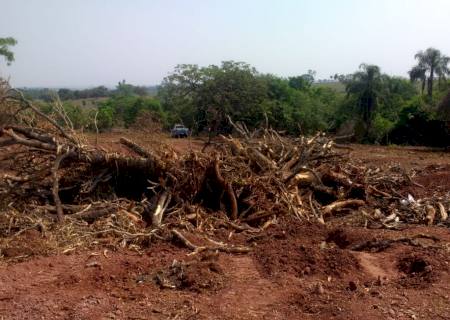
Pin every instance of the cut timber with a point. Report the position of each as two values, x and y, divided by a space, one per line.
149 165
32 143
161 206
341 179
340 205
228 190
262 161
55 188
442 212
184 240
430 214
143 152
236 146
32 133
219 247
136 148
304 179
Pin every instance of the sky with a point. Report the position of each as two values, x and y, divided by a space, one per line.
84 43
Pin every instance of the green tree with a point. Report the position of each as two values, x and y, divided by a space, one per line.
126 89
434 63
299 109
66 94
443 71
179 95
395 95
5 51
77 115
233 89
123 110
105 117
367 86
419 73
304 81
380 128
202 96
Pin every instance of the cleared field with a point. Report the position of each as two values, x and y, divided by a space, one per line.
344 269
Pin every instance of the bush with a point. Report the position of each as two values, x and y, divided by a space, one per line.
105 118
417 126
380 129
148 121
78 116
124 110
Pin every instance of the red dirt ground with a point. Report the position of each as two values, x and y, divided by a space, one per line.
295 271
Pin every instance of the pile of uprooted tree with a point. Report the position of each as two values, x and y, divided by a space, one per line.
242 182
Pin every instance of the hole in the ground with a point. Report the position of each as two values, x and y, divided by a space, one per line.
413 265
339 237
417 266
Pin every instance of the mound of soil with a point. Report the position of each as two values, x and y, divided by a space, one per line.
26 244
300 250
344 238
266 284
204 273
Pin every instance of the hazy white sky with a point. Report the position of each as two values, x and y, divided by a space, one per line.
77 43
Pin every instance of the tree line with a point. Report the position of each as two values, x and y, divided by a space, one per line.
65 94
375 107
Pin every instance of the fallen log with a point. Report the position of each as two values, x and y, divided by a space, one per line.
136 148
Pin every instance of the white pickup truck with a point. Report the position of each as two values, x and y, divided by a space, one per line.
179 131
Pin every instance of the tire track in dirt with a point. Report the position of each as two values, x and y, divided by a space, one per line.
377 266
249 295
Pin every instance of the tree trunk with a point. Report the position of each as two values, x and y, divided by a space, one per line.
430 83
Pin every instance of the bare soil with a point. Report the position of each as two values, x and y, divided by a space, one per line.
296 270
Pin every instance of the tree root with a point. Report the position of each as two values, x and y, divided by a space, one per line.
218 247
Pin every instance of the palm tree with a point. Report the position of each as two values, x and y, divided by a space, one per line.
442 69
419 72
5 43
434 63
367 86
